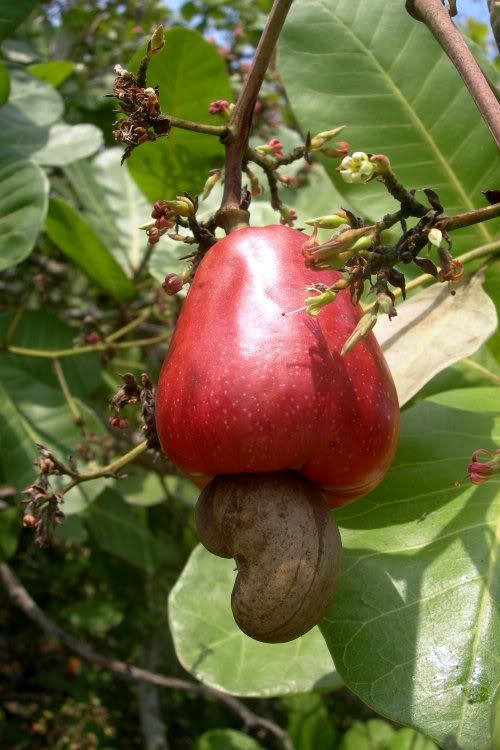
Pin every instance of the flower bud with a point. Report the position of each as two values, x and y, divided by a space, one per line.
356 169
381 163
314 304
320 139
92 338
435 237
273 148
120 424
221 107
211 182
329 222
365 325
182 206
288 216
172 284
157 41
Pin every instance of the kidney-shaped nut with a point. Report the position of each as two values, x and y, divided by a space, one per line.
286 546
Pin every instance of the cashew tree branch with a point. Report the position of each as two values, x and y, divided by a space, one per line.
437 19
230 215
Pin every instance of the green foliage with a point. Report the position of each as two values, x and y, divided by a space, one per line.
94 617
226 739
11 14
4 84
53 72
44 330
355 64
418 578
23 207
190 74
75 238
309 725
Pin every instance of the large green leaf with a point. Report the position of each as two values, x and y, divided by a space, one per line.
68 143
414 629
23 206
12 13
211 646
31 412
369 65
190 74
10 528
29 124
75 238
41 329
128 208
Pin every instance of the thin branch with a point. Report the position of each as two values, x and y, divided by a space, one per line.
22 599
230 215
110 470
141 318
100 347
63 384
197 127
468 218
492 248
437 19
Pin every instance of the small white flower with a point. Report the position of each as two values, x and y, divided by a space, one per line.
357 168
435 237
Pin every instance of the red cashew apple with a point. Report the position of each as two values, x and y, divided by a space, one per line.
247 390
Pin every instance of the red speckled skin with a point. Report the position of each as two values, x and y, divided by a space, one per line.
245 389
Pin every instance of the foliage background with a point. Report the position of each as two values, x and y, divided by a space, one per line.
413 631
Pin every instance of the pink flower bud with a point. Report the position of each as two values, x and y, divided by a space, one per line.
92 338
173 283
480 471
120 424
220 106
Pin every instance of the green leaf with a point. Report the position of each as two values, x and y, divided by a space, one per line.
40 329
122 530
144 488
46 418
93 616
308 724
190 74
12 13
409 739
128 208
25 120
210 645
10 529
69 143
372 735
75 238
4 84
53 72
23 206
226 739
413 628
356 64
434 329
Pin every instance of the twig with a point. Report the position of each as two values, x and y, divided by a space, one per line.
100 347
141 318
110 470
22 599
437 19
63 384
492 248
230 215
197 127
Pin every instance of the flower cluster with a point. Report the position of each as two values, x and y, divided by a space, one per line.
166 213
221 107
143 120
42 511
